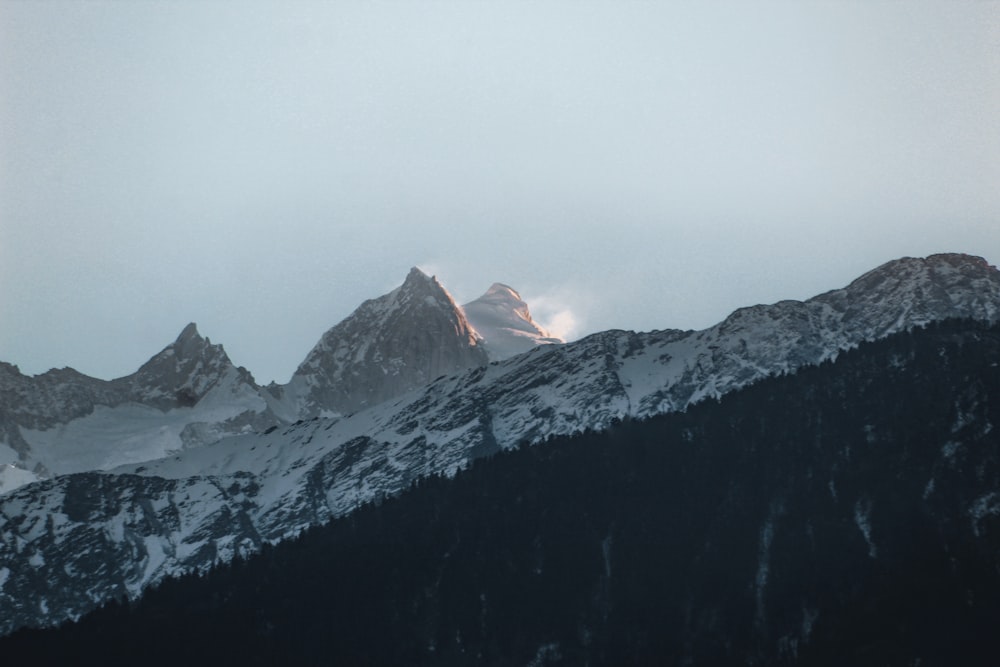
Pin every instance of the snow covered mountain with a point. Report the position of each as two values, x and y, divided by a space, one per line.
502 318
191 394
67 544
63 421
389 345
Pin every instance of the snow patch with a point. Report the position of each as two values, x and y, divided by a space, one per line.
988 505
13 477
156 555
764 560
606 555
809 617
862 518
545 654
949 449
132 433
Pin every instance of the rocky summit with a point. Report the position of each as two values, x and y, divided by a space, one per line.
389 345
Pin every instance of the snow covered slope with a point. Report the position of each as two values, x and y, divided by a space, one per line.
68 544
63 421
502 318
386 347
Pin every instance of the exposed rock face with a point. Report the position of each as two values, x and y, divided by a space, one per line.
502 318
388 346
183 373
265 486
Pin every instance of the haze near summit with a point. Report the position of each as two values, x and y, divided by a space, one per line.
264 168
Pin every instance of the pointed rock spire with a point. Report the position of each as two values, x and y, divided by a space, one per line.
183 372
389 345
416 276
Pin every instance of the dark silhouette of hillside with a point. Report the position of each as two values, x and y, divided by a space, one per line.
847 514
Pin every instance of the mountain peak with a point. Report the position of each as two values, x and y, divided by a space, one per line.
502 318
190 344
182 372
941 263
416 274
419 282
498 291
190 332
387 346
938 273
959 258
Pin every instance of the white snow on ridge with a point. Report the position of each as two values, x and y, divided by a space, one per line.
12 477
132 432
109 437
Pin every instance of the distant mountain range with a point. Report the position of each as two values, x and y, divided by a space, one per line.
188 461
848 514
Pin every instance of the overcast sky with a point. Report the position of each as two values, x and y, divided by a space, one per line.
262 168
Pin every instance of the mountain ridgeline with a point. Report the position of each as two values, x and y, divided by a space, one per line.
191 394
63 421
846 514
189 462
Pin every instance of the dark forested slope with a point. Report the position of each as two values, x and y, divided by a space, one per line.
848 514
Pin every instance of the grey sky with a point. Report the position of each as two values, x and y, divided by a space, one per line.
262 168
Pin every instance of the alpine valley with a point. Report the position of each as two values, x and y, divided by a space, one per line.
112 486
